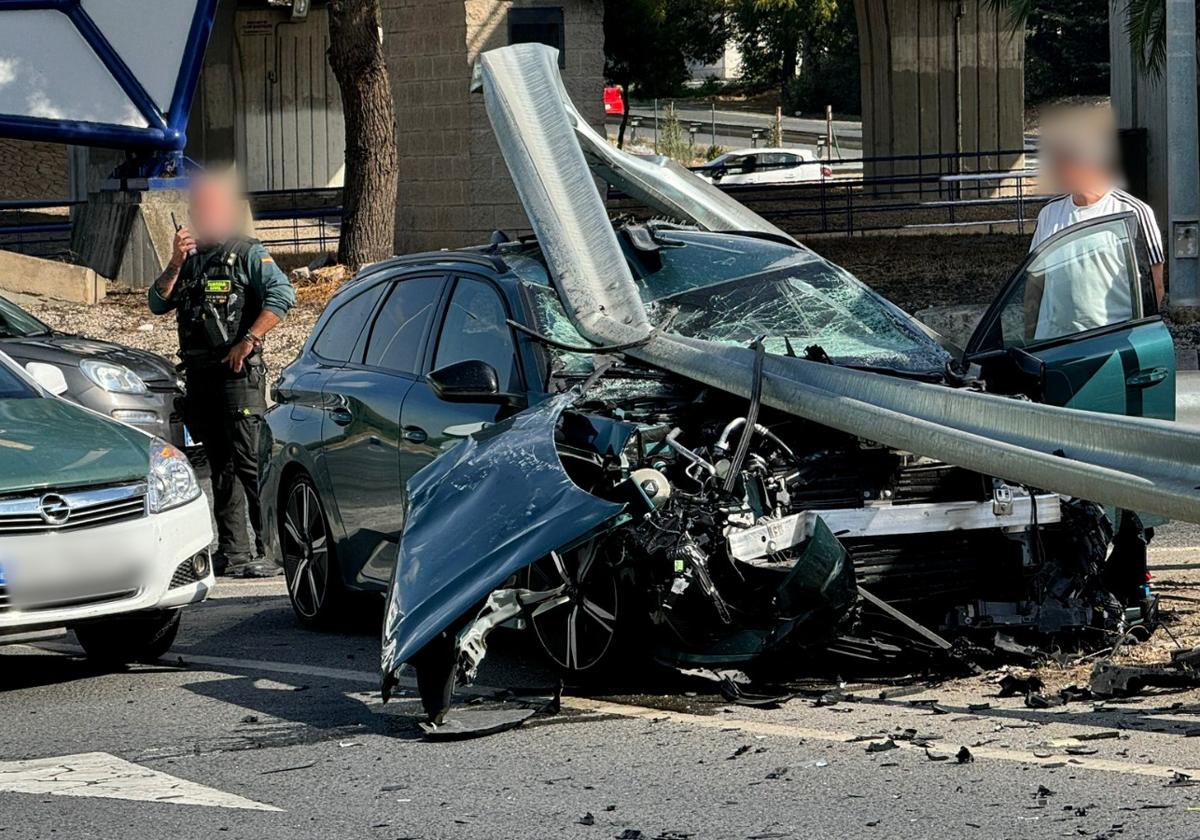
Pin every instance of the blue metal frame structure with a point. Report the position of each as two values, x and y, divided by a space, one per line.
166 132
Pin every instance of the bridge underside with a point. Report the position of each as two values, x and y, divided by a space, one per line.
940 77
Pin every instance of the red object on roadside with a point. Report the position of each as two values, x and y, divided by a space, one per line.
614 103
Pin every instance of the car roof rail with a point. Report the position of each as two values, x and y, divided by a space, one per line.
490 260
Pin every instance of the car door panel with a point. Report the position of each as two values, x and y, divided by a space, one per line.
473 326
1126 366
361 460
362 432
1129 371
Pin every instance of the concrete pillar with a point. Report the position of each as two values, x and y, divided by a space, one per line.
454 187
940 76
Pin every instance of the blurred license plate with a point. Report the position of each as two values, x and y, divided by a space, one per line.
60 579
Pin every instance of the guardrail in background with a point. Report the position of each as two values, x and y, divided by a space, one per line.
868 194
37 228
879 194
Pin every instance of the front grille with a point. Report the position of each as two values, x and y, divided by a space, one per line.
71 510
185 573
936 482
936 569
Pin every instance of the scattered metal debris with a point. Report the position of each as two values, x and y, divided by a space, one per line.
1110 679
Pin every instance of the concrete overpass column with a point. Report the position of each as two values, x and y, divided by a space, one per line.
940 76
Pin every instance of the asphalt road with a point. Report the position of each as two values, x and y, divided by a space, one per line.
256 728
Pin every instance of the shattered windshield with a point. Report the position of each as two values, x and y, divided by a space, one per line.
811 303
732 289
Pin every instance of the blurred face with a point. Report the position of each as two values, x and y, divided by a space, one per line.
1078 151
213 210
1070 173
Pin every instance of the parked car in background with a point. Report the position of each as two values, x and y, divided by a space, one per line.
133 386
103 528
764 166
614 102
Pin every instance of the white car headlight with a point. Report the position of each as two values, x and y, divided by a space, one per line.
110 376
171 481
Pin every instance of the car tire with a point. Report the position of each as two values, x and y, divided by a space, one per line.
314 581
584 636
137 637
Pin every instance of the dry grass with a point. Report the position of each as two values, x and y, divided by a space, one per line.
317 287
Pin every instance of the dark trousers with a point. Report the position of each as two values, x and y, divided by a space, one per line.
224 411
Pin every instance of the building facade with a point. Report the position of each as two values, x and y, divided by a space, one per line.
454 187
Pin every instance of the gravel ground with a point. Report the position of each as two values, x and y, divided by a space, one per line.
123 317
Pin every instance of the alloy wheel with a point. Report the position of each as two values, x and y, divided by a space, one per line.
576 630
305 542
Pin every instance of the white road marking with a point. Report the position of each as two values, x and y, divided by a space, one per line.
600 707
283 668
105 776
1172 549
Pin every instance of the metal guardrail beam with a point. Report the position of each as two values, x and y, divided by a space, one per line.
1133 463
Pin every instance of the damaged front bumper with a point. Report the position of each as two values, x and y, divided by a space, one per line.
1009 510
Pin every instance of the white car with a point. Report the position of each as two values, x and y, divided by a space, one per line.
764 166
103 528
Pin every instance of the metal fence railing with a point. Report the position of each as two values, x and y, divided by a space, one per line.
298 221
856 195
37 228
881 194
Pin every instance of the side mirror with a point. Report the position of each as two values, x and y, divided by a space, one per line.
49 377
469 381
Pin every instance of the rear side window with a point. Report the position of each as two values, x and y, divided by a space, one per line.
396 337
344 326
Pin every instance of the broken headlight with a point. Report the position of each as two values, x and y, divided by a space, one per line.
172 482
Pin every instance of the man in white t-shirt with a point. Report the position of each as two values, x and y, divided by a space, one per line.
1087 285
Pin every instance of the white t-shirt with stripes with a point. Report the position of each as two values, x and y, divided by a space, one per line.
1086 286
1062 212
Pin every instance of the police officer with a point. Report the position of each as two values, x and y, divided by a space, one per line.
227 294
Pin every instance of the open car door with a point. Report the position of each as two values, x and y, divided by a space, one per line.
1078 325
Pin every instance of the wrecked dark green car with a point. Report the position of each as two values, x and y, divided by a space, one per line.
631 508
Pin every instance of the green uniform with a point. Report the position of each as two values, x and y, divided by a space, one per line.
220 292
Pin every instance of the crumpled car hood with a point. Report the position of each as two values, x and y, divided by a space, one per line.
467 530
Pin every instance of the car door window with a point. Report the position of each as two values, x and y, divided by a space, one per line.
1084 279
340 333
476 328
398 334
